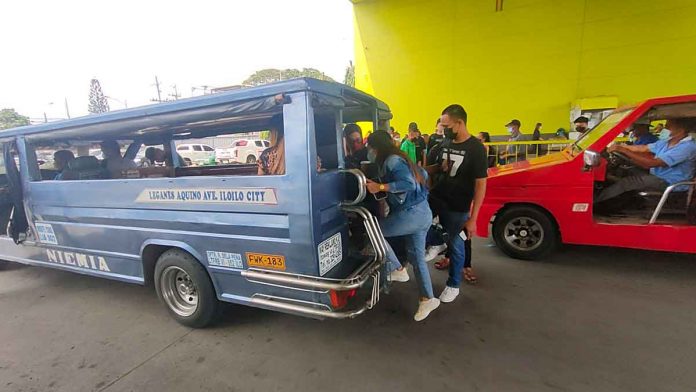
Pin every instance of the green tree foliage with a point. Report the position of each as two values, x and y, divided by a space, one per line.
97 99
9 118
270 75
349 79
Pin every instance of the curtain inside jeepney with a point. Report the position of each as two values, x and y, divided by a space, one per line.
18 220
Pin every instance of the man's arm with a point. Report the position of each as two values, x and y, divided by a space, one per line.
626 148
479 194
641 156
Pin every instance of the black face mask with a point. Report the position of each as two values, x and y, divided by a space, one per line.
580 129
449 133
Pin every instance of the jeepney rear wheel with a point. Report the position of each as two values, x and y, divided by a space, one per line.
184 287
251 159
525 233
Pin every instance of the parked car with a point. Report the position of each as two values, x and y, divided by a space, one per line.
196 154
242 151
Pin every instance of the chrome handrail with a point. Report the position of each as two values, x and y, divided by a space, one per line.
664 197
311 310
362 185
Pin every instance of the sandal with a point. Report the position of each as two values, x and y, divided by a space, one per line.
469 276
443 264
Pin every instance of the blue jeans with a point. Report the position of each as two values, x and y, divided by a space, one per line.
412 224
453 222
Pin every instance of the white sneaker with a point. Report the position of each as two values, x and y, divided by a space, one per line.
449 294
399 275
425 307
433 251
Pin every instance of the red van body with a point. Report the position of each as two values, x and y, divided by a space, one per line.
556 191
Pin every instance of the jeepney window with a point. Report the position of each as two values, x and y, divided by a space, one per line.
219 147
78 160
327 137
239 149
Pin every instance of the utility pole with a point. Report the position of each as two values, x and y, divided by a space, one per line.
176 94
159 91
67 111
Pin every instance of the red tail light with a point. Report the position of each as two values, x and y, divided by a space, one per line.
339 299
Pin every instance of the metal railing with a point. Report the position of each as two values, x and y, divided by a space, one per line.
501 153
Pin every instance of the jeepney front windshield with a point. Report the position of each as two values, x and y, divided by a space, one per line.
589 138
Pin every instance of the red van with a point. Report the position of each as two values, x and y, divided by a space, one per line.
533 206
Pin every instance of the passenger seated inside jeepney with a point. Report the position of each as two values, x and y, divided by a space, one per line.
669 161
272 160
154 157
113 162
61 158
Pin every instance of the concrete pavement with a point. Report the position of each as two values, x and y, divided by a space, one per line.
588 319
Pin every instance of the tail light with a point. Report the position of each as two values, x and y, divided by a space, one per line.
236 153
339 299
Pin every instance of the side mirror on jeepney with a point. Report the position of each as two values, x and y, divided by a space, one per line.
591 159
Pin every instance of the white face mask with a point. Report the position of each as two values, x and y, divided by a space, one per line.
510 129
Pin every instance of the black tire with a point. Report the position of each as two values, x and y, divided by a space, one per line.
526 233
251 159
186 267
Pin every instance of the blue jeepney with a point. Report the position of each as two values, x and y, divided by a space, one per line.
209 232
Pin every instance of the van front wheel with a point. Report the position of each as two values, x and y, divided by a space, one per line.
525 233
184 286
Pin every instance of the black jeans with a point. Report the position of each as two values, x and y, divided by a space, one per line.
643 182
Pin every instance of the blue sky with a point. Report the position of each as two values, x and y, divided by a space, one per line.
56 47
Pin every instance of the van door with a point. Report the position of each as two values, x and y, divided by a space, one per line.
12 214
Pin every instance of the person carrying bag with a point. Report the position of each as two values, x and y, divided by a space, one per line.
409 214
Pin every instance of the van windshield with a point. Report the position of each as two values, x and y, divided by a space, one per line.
586 140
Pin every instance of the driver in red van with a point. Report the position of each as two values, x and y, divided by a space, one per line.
669 161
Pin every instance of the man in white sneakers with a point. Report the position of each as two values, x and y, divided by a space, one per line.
463 161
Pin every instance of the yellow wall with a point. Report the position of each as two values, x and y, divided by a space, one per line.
530 61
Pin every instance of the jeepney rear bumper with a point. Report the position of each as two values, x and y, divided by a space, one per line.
370 272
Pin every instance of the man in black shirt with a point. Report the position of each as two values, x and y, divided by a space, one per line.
434 144
463 164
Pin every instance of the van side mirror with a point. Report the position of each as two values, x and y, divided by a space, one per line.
591 159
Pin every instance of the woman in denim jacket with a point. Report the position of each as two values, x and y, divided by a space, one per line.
409 216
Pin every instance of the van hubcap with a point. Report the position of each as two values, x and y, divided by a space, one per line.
179 291
524 233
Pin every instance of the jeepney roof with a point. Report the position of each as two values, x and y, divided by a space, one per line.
190 110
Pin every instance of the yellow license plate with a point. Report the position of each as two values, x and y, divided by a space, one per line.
266 261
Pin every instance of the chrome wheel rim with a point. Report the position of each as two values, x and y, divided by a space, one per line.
524 233
179 291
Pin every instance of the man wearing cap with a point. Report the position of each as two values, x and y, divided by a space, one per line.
514 152
581 127
641 135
